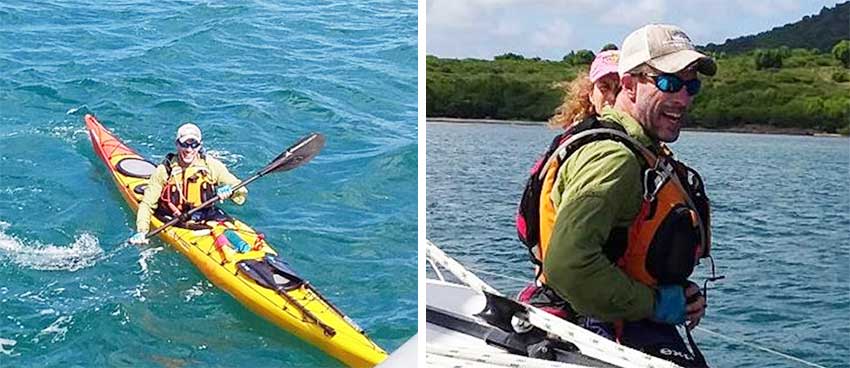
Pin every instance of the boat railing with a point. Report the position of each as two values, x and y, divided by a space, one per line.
589 343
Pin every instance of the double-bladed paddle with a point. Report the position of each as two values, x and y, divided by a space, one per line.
298 154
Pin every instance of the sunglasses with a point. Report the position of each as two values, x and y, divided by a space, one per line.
191 143
670 83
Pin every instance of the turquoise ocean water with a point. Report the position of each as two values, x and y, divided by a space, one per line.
255 76
781 231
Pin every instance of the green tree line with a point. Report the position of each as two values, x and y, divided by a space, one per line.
781 87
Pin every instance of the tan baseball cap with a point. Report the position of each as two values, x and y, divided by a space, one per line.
188 131
664 47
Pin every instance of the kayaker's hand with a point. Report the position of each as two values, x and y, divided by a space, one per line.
669 304
224 192
138 238
696 305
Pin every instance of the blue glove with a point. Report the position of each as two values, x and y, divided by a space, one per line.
224 192
138 238
669 304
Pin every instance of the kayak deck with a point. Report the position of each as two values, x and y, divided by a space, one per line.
298 309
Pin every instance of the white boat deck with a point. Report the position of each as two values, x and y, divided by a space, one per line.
446 347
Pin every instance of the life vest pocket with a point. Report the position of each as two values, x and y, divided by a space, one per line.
199 189
672 253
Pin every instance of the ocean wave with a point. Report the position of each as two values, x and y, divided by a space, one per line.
47 92
145 255
8 343
245 111
82 253
176 106
58 329
19 190
152 81
138 292
226 157
196 290
301 101
70 133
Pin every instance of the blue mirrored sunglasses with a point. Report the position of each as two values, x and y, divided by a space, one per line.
671 83
190 143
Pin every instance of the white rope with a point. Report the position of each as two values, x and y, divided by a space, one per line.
589 343
786 356
488 358
477 271
456 269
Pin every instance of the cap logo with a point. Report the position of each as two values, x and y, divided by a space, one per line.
678 38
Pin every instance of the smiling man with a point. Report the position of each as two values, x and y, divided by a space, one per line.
631 222
183 181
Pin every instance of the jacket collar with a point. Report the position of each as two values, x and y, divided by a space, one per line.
632 127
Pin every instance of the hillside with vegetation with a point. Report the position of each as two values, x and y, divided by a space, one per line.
804 90
821 32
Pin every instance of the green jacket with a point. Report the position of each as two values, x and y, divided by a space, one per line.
217 171
597 189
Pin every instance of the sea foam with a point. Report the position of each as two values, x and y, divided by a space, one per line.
82 253
8 343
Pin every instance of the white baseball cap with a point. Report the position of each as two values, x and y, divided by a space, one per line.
188 131
664 47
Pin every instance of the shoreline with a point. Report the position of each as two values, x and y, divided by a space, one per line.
742 129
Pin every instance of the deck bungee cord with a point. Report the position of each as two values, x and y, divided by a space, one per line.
469 273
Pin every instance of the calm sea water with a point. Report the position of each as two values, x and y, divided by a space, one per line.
255 75
781 231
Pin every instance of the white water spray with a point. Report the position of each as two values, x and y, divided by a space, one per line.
82 253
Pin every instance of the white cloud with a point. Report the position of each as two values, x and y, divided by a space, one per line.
506 28
634 14
489 28
449 14
699 30
554 36
551 28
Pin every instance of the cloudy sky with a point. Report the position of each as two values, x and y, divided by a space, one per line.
551 28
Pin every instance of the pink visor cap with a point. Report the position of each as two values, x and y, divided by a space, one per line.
605 63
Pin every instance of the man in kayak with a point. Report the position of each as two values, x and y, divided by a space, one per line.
183 181
627 222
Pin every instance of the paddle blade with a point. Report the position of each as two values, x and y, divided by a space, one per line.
300 153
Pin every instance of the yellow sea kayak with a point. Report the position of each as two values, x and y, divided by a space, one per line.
258 278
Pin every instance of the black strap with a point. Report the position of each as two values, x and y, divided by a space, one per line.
167 163
534 344
700 359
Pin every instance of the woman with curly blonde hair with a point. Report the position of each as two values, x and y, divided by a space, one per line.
587 95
